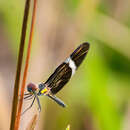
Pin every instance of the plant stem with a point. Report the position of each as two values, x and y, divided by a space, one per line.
26 66
19 66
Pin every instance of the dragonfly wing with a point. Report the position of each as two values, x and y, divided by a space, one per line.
63 72
79 54
59 78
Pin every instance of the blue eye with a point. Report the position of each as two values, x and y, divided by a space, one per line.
31 87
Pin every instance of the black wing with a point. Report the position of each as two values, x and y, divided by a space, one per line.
59 78
63 72
79 54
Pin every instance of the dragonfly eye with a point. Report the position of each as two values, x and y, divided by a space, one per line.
31 87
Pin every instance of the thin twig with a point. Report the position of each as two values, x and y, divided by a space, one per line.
26 66
32 123
19 66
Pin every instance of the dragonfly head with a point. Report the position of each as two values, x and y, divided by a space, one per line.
32 87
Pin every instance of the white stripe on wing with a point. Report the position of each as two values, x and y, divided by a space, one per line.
71 65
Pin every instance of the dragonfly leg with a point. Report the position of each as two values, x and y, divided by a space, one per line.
26 93
39 105
28 96
29 106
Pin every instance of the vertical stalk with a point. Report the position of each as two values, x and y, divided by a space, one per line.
26 66
19 66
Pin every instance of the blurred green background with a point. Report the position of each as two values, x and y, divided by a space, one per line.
98 94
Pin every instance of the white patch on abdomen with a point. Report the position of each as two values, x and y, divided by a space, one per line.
71 65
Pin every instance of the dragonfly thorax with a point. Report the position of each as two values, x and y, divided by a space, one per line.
42 89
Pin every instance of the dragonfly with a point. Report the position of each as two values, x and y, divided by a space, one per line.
58 79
